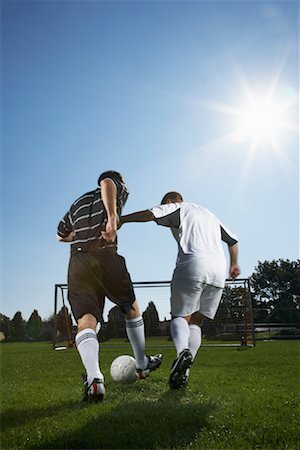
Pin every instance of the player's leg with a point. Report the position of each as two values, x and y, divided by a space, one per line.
209 302
180 332
184 301
119 289
88 348
135 330
195 338
87 312
136 335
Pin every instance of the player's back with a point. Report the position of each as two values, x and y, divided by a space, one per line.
87 216
201 255
200 230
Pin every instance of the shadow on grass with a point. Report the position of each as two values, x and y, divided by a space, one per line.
173 420
142 417
14 417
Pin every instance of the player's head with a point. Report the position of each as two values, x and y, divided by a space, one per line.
171 197
111 174
118 177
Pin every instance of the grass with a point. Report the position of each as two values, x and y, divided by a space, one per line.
236 399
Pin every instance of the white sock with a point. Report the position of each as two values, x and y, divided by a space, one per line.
180 332
195 339
136 335
88 347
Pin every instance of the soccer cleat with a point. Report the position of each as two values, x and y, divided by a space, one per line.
179 371
153 363
184 382
94 392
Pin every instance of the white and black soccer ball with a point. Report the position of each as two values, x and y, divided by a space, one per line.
123 369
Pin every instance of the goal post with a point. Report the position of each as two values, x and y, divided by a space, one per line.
232 326
63 325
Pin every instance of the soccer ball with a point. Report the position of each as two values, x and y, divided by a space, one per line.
123 369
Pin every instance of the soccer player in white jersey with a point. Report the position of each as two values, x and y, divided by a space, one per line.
199 276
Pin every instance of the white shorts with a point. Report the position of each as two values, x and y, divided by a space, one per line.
189 296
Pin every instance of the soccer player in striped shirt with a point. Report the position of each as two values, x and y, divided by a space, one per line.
97 271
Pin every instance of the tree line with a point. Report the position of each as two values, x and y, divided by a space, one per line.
18 329
275 292
275 288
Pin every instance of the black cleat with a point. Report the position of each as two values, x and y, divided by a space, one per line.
153 363
179 376
94 392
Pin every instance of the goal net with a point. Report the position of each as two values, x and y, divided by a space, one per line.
232 326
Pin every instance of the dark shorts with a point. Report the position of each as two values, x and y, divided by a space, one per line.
94 276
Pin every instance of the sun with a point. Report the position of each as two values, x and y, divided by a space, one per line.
262 120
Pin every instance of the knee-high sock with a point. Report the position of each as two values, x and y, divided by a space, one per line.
136 335
88 347
195 339
180 333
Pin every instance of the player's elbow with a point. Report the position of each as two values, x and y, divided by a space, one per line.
149 214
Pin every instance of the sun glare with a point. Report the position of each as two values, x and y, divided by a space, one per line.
259 120
262 120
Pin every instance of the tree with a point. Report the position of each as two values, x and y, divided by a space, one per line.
6 326
47 333
116 323
18 327
276 291
151 320
34 325
232 316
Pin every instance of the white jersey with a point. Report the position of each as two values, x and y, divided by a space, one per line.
199 234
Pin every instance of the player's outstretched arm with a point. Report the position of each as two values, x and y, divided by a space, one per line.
234 269
139 216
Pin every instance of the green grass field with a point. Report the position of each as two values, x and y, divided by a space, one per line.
236 399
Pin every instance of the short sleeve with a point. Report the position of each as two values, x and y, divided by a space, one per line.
167 215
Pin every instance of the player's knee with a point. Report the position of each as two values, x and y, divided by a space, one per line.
86 321
197 319
134 311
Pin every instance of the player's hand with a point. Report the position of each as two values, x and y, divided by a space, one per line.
234 271
111 227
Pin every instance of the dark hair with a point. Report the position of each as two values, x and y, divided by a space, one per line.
111 174
123 192
173 196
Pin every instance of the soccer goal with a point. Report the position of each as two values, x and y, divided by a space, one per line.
232 326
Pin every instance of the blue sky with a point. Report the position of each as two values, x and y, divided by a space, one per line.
198 97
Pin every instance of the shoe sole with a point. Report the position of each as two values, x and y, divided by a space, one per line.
182 363
96 399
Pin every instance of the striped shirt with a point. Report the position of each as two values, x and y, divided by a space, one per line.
86 218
